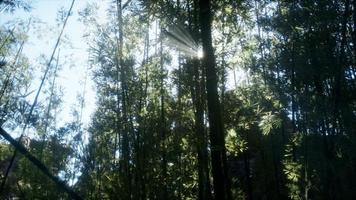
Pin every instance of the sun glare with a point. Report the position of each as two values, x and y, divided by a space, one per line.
200 53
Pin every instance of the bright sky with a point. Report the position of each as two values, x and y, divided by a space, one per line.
73 57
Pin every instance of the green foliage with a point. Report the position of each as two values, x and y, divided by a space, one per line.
11 5
235 144
293 168
269 122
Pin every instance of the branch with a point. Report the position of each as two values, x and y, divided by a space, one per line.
19 147
126 4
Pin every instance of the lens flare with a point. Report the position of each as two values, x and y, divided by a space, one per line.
179 38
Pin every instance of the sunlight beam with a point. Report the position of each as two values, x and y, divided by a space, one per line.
181 39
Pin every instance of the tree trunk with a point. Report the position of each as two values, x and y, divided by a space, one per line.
218 152
164 194
125 119
203 170
197 90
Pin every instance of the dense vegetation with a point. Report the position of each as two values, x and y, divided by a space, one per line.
268 111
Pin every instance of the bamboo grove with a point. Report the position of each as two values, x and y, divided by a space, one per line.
195 99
